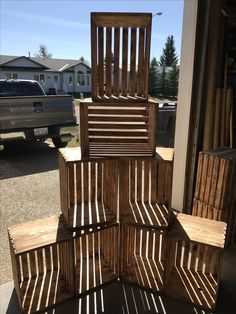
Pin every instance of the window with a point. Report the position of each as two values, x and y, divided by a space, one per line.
11 76
56 78
80 78
41 77
36 77
70 80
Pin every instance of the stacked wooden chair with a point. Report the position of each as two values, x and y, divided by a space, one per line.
215 192
115 191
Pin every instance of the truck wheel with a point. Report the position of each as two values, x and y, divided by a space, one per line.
58 142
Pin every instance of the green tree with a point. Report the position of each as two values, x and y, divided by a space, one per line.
152 88
163 81
169 56
43 52
173 81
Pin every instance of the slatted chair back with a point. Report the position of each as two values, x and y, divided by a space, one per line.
145 192
89 197
96 258
120 50
143 256
114 130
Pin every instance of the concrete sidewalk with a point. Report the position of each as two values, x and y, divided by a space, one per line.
121 298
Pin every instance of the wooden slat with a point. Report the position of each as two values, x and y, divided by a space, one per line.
122 111
101 60
116 61
153 182
78 182
139 180
84 129
122 118
147 165
108 61
192 275
94 59
152 125
71 184
146 61
133 61
118 133
121 19
118 126
124 61
140 62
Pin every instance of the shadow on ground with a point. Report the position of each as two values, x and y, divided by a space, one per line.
21 158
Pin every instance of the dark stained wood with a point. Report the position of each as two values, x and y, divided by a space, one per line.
108 61
41 272
214 188
84 141
94 64
140 266
133 62
109 125
96 258
116 61
145 192
93 202
121 19
125 23
194 256
146 61
101 60
124 61
140 89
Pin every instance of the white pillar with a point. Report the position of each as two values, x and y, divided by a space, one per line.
184 101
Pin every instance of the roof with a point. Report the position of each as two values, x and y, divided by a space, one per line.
57 65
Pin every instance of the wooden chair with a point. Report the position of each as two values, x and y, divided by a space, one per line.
194 257
143 256
145 190
215 190
96 258
120 50
115 130
42 263
88 190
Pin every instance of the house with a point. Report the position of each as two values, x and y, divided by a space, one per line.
65 76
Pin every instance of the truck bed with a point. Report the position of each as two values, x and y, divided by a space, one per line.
35 111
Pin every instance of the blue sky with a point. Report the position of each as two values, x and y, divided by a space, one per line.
64 26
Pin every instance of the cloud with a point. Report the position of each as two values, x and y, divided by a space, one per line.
24 36
44 19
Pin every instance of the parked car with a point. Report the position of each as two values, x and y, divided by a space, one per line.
27 113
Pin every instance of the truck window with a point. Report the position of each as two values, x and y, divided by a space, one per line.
9 89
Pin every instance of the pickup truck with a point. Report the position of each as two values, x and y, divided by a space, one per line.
27 113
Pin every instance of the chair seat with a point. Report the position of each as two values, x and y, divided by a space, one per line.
146 213
89 215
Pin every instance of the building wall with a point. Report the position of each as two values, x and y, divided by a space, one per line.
61 84
23 62
87 76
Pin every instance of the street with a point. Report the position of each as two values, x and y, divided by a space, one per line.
29 189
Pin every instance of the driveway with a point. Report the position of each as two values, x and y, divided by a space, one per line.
29 189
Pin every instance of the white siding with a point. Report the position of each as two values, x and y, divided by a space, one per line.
23 62
66 77
82 88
